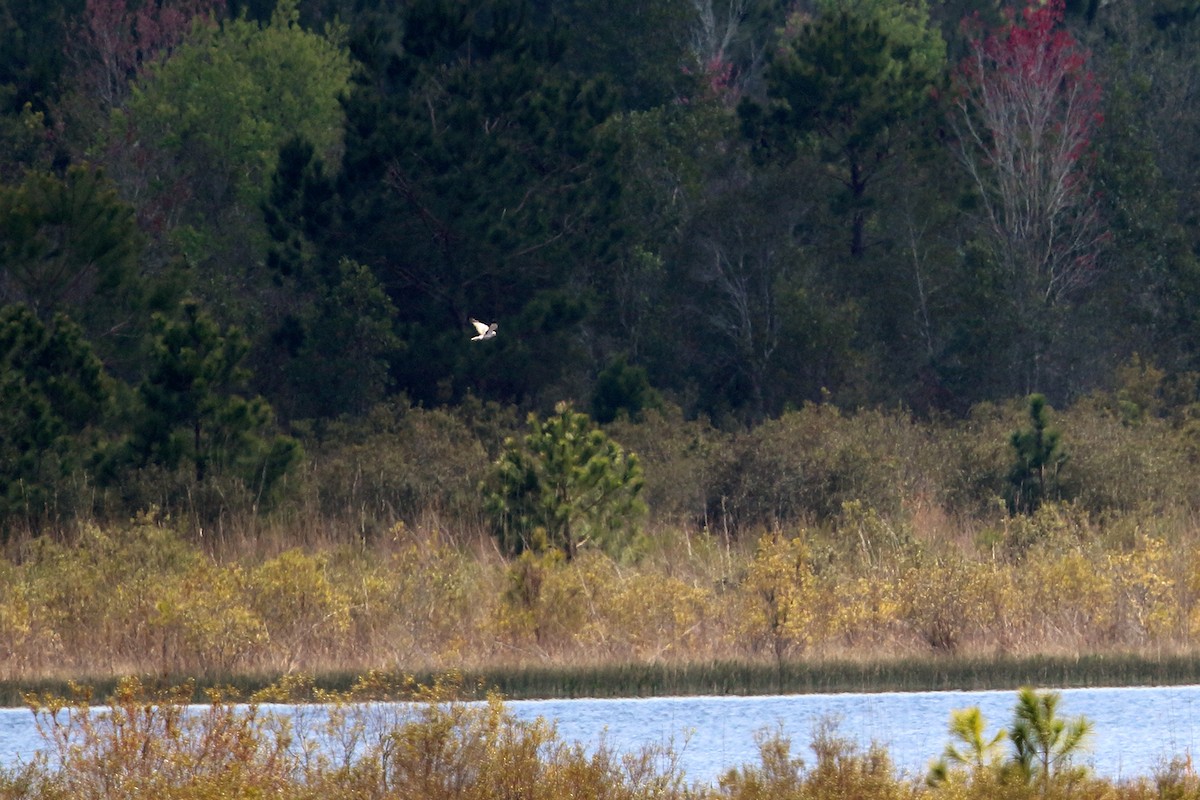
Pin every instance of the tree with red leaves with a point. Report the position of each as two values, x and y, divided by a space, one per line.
1026 109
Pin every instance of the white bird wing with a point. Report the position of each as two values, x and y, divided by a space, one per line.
479 326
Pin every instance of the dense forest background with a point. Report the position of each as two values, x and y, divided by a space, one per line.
233 233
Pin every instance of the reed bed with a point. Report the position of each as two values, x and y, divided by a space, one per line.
707 678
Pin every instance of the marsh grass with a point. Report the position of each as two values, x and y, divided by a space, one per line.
1052 600
908 572
680 680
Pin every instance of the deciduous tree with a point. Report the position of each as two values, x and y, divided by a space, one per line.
113 40
783 599
1027 108
210 121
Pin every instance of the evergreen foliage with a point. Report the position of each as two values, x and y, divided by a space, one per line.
846 83
69 244
192 416
565 485
621 389
55 399
767 221
1039 457
1043 745
1042 741
477 184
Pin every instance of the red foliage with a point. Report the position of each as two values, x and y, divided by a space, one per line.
719 83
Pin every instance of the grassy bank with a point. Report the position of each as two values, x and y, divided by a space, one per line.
715 678
905 675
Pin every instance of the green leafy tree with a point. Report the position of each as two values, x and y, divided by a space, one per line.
566 484
111 42
1039 457
192 415
213 117
225 102
1043 742
54 400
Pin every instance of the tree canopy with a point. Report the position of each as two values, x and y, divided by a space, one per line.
727 207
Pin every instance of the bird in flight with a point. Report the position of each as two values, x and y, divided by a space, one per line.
485 331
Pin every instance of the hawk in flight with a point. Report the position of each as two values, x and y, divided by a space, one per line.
485 331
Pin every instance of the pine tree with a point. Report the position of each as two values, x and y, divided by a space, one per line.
564 485
1039 456
192 413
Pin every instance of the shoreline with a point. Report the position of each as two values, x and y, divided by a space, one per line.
719 678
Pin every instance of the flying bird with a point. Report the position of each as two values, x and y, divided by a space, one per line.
485 331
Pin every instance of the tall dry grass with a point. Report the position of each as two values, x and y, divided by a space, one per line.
823 536
146 598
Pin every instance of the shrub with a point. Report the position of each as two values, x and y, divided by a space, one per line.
1119 466
432 601
206 624
305 614
677 457
399 463
841 771
979 452
808 463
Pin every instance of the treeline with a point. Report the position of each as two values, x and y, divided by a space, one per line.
240 247
225 225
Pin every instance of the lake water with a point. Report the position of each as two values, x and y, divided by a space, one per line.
1136 729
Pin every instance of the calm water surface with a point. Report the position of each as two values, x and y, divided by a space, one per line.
1136 729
